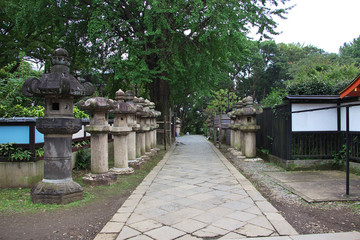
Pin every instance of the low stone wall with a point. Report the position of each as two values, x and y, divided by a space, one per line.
354 167
298 165
27 174
21 174
310 164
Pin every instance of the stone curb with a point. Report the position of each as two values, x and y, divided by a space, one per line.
323 236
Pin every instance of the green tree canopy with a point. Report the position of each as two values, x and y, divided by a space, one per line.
350 52
169 47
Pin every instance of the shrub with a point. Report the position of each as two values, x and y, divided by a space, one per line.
83 159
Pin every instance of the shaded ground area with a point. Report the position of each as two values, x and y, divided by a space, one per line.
318 186
306 218
75 223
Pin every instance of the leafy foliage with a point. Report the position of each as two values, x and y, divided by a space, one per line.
221 101
13 103
161 48
79 113
350 52
12 153
83 159
323 81
307 70
275 97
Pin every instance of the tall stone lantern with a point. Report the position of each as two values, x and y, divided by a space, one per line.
59 88
141 115
121 130
153 127
178 126
131 122
248 127
235 115
148 133
99 129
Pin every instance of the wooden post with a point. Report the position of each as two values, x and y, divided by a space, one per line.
32 140
347 151
165 132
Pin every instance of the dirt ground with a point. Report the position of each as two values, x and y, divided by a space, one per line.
75 223
86 221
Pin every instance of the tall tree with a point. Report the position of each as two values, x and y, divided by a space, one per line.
176 45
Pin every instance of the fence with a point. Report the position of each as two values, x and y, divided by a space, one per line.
224 126
276 134
275 131
23 133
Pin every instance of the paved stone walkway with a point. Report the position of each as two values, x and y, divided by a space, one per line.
195 193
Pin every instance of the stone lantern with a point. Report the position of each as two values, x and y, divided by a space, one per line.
232 127
141 115
248 127
148 134
59 88
121 130
153 127
99 130
210 126
177 126
131 122
236 116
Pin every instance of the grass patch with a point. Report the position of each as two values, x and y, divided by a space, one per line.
18 200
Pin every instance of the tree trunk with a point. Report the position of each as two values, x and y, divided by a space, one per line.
160 95
159 88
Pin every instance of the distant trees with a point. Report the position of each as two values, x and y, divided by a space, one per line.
306 70
350 52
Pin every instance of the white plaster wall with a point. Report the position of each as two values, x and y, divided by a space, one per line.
80 133
354 113
324 120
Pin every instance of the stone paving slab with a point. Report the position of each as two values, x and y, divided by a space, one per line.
319 186
196 193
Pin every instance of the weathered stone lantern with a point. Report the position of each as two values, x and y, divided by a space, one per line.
232 126
249 127
153 127
149 127
131 122
236 117
141 116
59 88
99 129
121 130
178 126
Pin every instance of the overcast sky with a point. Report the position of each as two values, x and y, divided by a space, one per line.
326 24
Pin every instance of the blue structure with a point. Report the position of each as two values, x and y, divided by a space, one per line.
19 131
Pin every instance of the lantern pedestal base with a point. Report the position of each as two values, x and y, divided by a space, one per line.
101 179
135 164
56 193
122 171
